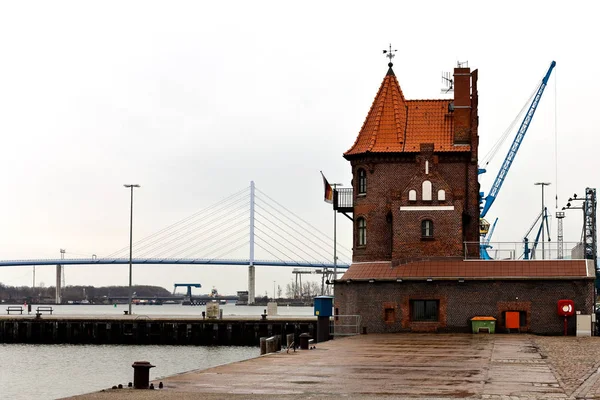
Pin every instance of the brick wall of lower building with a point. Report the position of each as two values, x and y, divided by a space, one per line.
459 302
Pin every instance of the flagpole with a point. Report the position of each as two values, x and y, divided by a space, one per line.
334 186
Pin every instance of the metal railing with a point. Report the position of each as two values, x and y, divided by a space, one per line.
342 198
523 251
344 325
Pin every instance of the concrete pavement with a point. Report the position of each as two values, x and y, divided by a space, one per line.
399 366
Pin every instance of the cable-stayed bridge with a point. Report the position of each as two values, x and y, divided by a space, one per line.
247 228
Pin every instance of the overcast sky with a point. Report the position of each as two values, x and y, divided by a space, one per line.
193 100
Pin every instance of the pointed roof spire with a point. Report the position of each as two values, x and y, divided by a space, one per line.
397 125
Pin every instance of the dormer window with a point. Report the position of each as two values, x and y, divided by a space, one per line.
362 181
426 191
412 195
441 195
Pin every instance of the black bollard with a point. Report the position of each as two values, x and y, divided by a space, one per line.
151 386
141 374
160 385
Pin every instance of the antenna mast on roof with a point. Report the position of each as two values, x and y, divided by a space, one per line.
448 82
390 54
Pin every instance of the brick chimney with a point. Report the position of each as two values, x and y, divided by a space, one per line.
462 106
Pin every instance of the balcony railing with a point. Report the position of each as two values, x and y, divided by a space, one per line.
342 199
518 251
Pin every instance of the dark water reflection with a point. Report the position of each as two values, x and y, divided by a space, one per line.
29 372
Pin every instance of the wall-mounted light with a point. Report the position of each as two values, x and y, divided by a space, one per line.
461 280
429 280
399 280
371 280
349 280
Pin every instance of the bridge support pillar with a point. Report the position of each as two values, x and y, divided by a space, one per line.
57 296
251 283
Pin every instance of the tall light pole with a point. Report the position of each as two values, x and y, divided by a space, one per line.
542 184
130 240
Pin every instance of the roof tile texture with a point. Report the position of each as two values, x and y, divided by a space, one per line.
396 125
469 269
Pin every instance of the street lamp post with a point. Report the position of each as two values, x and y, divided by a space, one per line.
542 184
131 186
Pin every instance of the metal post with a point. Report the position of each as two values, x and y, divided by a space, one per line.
544 216
251 271
131 243
560 215
334 186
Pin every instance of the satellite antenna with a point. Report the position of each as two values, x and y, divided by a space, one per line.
390 54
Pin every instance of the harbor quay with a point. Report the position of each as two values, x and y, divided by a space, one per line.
141 329
397 366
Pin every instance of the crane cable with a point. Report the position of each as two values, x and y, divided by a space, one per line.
555 140
496 147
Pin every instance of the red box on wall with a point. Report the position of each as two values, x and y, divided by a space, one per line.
566 308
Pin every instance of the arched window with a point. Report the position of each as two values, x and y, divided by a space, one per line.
426 191
362 181
441 195
427 228
412 195
362 231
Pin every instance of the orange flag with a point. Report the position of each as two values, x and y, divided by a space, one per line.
328 190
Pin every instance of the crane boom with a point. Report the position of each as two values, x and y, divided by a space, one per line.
508 160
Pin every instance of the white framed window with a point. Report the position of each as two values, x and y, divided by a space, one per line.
441 195
426 190
412 195
427 228
362 231
362 181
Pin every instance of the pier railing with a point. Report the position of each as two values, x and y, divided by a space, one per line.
524 251
344 325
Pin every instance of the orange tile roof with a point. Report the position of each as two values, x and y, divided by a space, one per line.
396 125
471 269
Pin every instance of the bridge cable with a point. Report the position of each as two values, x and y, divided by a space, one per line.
307 223
173 242
181 221
287 233
181 232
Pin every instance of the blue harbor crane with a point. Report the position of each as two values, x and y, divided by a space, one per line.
485 243
487 201
529 252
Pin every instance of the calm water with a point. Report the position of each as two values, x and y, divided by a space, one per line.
171 309
30 372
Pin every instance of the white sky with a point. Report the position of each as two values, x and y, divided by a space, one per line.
192 100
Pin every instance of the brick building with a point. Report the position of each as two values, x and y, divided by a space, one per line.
415 205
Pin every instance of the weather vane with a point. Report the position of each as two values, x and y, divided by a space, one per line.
390 54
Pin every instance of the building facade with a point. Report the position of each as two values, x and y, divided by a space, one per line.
415 206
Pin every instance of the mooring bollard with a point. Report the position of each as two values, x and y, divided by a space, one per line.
141 374
271 344
263 345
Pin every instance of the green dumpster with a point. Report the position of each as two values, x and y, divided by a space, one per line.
483 324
